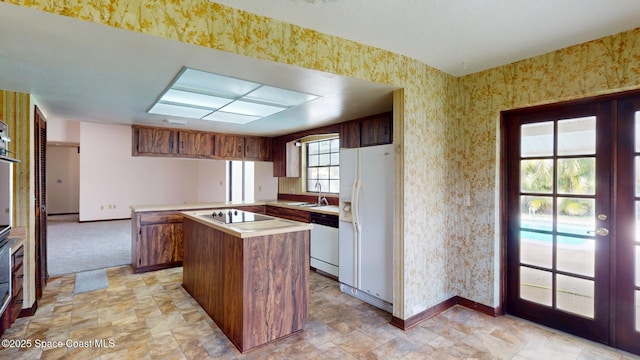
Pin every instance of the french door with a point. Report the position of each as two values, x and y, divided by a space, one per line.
572 199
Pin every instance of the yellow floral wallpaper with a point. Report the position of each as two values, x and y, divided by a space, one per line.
423 279
606 65
447 139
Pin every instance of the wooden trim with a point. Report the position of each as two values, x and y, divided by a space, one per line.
442 307
575 102
143 269
30 311
487 310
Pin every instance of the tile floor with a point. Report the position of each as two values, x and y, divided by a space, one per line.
150 316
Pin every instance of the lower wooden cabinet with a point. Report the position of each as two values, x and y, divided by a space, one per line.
290 214
160 244
12 311
157 238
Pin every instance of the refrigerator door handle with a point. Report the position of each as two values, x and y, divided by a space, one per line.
356 233
356 205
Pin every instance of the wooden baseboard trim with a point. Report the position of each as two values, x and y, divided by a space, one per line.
441 307
29 311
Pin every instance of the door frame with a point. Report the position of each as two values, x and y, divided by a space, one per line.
614 252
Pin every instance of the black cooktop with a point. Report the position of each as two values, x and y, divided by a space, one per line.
231 216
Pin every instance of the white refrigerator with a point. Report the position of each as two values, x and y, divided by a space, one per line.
366 224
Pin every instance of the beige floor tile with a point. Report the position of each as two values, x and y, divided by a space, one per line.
150 316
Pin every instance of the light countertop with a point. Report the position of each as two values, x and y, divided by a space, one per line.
194 206
249 229
329 209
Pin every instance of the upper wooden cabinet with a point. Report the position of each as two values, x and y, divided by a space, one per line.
376 131
154 141
196 143
286 158
350 134
257 148
150 141
370 131
229 146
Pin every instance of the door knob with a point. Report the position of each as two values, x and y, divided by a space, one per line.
600 232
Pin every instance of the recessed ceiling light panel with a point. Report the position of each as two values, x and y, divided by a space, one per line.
196 99
279 96
178 110
213 84
251 108
230 117
201 95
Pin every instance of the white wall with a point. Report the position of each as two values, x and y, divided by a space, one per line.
63 131
211 180
266 186
111 180
63 179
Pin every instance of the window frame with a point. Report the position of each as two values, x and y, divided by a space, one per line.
334 162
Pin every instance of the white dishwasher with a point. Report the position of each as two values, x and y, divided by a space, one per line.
325 243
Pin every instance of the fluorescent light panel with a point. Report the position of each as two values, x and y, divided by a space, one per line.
201 95
222 116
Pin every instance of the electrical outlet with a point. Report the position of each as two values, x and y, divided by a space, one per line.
101 207
114 206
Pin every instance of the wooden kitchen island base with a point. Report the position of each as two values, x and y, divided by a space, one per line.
254 288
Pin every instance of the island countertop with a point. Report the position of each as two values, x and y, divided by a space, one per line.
248 229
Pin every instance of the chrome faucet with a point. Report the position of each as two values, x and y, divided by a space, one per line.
322 201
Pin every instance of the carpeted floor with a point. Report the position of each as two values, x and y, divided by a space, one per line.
74 247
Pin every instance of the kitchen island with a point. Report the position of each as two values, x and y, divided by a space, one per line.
249 272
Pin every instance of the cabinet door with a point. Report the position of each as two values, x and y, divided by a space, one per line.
178 243
160 244
257 148
350 135
286 158
156 141
376 131
279 157
229 146
195 143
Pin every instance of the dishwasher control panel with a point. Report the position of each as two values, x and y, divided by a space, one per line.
324 219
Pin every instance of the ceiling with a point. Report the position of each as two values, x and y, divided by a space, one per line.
457 36
83 71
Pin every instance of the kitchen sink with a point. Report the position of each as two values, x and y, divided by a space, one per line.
303 204
309 205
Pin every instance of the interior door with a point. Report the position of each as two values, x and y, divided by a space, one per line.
558 198
40 157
